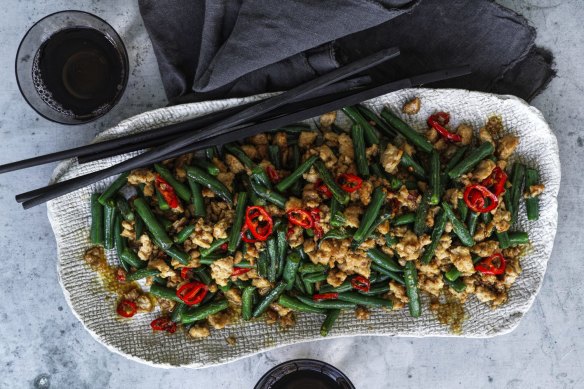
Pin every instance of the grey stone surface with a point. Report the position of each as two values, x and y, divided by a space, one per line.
40 336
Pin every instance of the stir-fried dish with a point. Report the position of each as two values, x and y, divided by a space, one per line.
319 221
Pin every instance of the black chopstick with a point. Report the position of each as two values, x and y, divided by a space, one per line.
333 91
64 187
146 139
214 129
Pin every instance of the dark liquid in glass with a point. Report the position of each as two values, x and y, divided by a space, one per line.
306 379
80 71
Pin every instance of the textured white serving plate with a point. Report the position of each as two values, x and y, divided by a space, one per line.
70 218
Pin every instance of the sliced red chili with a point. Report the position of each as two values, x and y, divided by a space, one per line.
300 217
167 192
315 213
349 182
438 121
318 231
237 271
495 265
185 273
479 199
192 293
272 174
223 247
163 324
289 232
246 236
325 296
323 189
127 308
258 222
496 180
360 283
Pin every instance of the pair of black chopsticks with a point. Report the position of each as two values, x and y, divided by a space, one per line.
267 114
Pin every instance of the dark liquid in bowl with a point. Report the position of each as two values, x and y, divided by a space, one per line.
80 71
306 379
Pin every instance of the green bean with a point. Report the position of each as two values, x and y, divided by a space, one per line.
456 158
412 166
202 273
132 259
337 217
390 240
472 222
406 131
258 173
338 193
275 158
329 321
162 204
411 278
359 149
210 153
531 202
458 285
517 176
142 273
306 268
326 304
119 240
457 226
379 123
164 222
508 202
217 243
208 166
152 223
202 312
377 289
109 216
181 190
518 237
178 254
113 189
314 277
462 209
269 298
308 286
97 228
380 258
369 133
197 196
411 184
164 292
282 248
371 213
272 196
361 299
177 312
344 287
184 234
435 178
247 302
202 177
404 219
299 284
296 305
138 226
452 274
263 263
124 208
291 269
335 233
235 233
439 225
503 238
471 160
272 249
383 216
421 213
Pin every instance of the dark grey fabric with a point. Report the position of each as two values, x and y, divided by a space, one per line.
226 48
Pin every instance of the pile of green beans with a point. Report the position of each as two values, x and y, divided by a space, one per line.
295 282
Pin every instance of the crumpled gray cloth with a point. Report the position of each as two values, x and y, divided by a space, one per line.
208 49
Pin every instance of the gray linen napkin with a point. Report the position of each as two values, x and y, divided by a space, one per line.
209 49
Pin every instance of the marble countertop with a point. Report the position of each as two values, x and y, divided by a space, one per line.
40 339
